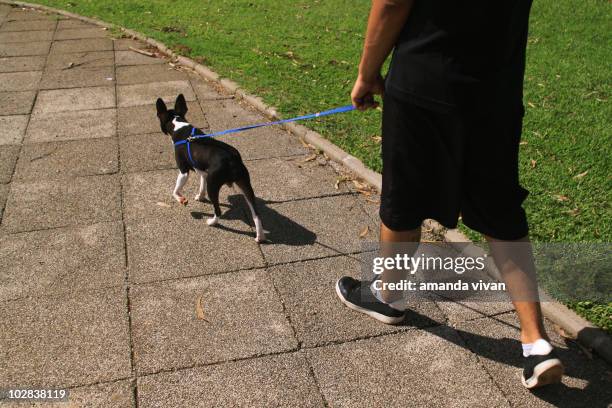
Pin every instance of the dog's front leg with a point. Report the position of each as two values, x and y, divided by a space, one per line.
202 191
180 183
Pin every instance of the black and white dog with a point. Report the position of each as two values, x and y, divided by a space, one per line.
216 163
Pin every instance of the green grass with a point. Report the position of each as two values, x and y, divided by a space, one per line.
301 56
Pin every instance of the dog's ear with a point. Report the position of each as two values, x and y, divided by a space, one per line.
161 107
180 106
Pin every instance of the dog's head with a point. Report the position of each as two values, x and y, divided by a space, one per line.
170 118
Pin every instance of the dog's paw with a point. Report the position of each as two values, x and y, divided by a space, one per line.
200 197
212 221
260 239
181 199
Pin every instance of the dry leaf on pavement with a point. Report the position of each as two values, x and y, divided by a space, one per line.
199 309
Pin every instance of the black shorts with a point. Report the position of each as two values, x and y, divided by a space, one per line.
442 164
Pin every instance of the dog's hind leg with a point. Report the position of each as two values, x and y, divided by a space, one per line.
201 192
246 189
213 187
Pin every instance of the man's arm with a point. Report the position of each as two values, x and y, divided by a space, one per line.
387 18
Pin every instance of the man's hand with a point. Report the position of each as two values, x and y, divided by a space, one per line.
364 90
387 18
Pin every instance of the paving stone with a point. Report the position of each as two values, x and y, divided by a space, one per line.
496 342
77 33
71 125
294 178
205 91
457 312
8 158
25 36
16 103
133 58
75 158
82 45
20 64
135 74
149 195
24 49
65 340
308 291
58 100
51 204
35 25
124 44
78 77
71 24
19 81
29 14
156 247
12 129
167 333
146 94
81 59
152 151
307 229
415 369
143 118
253 144
279 381
64 260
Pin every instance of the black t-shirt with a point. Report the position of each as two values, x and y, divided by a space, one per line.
465 54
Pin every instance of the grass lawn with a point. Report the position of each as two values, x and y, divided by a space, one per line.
301 56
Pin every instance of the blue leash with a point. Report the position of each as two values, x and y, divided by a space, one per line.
194 137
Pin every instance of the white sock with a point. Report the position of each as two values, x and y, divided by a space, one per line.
526 349
399 304
540 347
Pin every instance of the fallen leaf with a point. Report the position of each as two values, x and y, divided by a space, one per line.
523 143
574 212
366 193
143 52
306 145
372 200
309 158
561 332
377 139
199 309
364 232
533 163
581 175
531 104
561 197
162 204
359 185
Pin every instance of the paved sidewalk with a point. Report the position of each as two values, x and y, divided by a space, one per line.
113 290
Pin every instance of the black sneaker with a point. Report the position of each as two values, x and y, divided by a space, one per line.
350 292
542 369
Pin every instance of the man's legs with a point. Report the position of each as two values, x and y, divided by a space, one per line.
388 236
514 260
